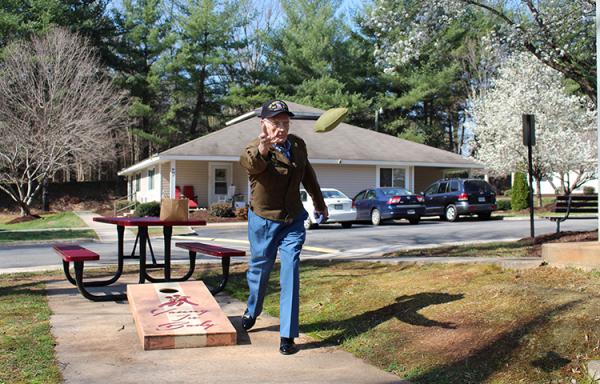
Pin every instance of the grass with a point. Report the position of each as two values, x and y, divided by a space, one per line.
67 234
434 324
48 221
26 344
495 249
451 323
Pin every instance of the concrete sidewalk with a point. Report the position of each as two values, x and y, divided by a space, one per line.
107 233
97 343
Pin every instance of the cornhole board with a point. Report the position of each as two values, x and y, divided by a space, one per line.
178 315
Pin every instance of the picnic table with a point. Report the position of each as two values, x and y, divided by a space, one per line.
78 255
142 223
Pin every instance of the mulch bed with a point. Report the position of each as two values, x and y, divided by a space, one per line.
204 215
561 237
23 219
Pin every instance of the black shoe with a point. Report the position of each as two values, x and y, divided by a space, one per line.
287 346
247 321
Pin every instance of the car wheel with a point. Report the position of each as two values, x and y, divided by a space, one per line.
375 217
451 213
309 225
414 220
347 225
484 215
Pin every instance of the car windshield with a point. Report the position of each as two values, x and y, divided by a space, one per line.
333 195
477 186
395 191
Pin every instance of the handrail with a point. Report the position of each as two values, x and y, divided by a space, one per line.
130 197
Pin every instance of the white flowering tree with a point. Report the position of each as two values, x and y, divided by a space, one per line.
560 33
565 125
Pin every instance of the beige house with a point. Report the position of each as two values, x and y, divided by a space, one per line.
348 158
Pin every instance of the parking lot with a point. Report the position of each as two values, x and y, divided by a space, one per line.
327 239
402 234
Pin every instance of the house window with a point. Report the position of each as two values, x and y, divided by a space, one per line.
138 182
392 177
151 179
220 181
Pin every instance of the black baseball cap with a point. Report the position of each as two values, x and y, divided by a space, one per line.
274 107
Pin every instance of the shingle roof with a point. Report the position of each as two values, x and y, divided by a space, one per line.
346 142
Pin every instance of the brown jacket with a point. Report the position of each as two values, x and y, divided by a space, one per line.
275 180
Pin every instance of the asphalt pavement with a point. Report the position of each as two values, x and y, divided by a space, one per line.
329 241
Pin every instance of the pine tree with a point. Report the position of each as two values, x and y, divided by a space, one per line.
144 37
208 39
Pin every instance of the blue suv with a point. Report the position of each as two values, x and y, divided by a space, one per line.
451 198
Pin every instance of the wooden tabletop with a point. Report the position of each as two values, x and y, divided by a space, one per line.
149 221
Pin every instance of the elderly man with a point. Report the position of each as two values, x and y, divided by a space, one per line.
276 163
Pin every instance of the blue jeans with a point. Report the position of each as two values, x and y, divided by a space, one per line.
266 237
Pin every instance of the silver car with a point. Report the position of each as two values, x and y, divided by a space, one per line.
339 206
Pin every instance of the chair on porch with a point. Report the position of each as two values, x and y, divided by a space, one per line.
188 192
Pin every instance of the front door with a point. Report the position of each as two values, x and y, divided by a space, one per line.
220 178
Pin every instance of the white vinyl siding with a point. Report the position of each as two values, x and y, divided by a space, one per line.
165 175
240 180
350 179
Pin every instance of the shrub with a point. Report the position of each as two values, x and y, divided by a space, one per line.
508 193
147 209
587 190
520 193
242 213
221 210
503 205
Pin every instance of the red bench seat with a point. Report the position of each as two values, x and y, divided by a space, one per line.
72 253
212 250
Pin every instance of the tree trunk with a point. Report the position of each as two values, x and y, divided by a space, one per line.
451 131
538 185
199 103
25 210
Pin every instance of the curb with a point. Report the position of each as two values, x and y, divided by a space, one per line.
11 244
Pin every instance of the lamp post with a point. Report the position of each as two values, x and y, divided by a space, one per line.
529 141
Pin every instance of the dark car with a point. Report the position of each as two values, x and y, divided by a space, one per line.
378 204
451 198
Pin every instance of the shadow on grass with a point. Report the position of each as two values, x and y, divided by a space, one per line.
550 362
405 309
25 288
483 362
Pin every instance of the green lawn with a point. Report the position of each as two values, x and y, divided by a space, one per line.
502 249
47 221
6 237
26 344
439 324
53 220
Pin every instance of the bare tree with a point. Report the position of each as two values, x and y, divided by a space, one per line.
57 108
